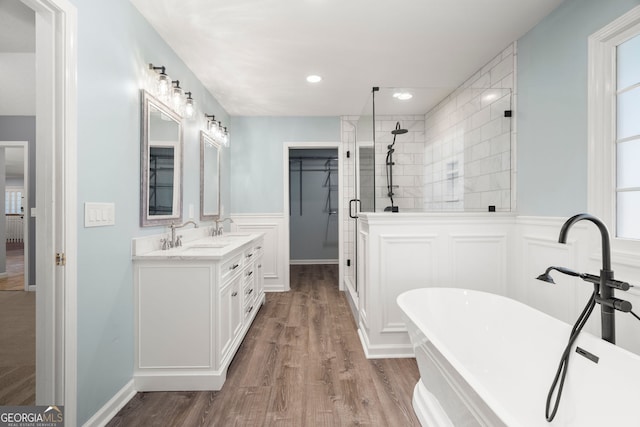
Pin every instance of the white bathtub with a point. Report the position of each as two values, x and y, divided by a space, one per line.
488 360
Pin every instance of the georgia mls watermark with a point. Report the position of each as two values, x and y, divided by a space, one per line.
31 416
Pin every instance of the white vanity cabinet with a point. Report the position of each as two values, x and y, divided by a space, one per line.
193 307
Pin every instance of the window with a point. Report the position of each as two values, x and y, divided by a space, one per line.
13 201
628 138
614 128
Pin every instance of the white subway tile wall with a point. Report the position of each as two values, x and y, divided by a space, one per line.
467 156
457 157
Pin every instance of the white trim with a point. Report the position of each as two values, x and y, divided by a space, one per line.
601 123
26 206
285 182
56 110
313 261
113 406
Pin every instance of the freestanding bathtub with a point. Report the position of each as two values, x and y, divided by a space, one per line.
489 360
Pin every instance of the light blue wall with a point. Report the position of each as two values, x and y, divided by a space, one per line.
257 156
115 44
552 107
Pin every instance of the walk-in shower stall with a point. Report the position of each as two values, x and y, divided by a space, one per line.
430 150
451 150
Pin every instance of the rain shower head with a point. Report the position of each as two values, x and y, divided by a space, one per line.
398 130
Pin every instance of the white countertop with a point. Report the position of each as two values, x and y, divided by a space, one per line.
212 248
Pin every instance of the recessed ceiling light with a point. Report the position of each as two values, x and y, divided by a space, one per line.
402 96
313 78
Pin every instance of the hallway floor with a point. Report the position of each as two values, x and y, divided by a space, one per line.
17 348
15 268
301 364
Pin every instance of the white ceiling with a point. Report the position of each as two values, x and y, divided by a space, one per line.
254 55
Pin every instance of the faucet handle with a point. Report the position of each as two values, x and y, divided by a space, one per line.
165 244
178 241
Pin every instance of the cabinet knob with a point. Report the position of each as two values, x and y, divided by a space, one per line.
234 294
250 255
249 291
233 267
249 273
259 265
259 247
250 309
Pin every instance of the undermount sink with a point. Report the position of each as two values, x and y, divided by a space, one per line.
208 245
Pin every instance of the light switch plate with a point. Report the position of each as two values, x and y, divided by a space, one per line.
99 214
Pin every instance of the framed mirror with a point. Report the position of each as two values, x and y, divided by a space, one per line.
161 164
209 177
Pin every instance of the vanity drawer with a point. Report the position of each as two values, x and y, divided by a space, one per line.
250 254
231 266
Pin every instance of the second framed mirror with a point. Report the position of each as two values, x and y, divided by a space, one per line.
209 177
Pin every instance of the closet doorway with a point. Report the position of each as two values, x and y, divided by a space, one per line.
313 193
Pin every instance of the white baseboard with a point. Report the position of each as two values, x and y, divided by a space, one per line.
111 408
312 261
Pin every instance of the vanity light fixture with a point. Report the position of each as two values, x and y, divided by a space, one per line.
164 81
218 132
225 137
177 95
211 122
189 106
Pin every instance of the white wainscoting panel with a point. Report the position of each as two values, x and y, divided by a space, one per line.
400 252
274 262
409 264
502 254
479 262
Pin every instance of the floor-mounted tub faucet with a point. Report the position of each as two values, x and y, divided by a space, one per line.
607 284
602 294
175 242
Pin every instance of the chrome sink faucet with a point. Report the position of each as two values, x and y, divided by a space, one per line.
176 241
218 230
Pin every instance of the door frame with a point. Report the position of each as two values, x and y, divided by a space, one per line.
56 213
26 213
285 181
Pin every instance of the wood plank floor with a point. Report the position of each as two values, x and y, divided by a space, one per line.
15 268
17 348
301 364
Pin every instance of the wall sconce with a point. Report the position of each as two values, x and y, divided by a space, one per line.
218 132
189 106
176 96
163 81
225 137
169 91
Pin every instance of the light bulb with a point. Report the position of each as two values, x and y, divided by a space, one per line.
164 84
177 100
189 106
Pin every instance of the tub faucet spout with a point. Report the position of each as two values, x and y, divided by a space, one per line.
606 282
